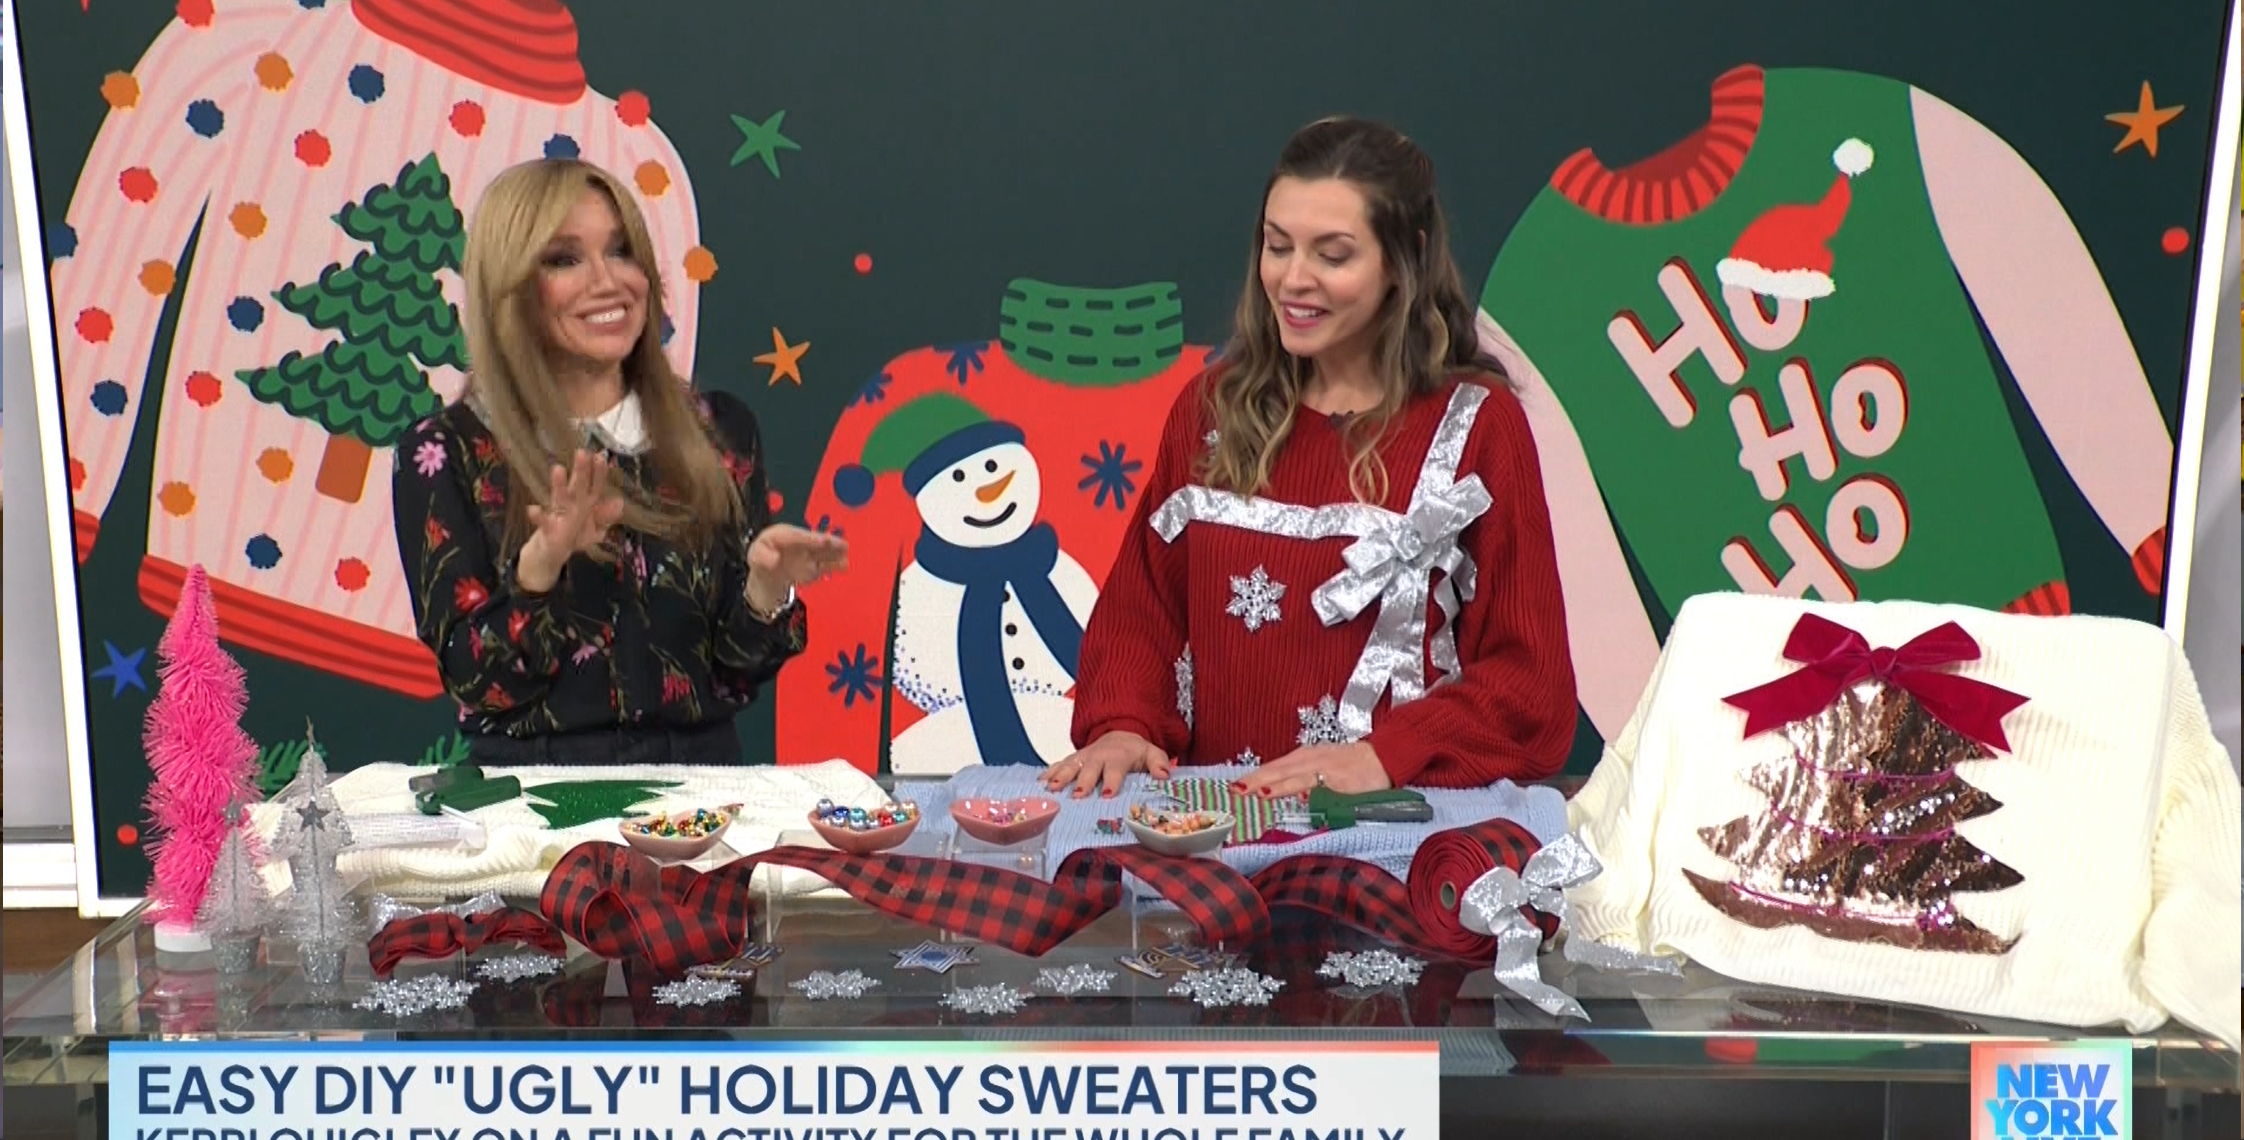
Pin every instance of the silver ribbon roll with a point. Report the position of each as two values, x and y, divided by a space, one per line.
1491 906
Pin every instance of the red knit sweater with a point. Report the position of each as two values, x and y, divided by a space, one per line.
1509 714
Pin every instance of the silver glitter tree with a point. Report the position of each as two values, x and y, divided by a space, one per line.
236 906
309 787
317 914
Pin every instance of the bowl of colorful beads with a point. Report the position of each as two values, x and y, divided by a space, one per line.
1179 832
1005 822
862 831
678 835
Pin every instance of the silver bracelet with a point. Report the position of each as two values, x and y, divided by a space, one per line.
772 617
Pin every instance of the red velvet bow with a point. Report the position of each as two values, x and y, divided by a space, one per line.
1833 657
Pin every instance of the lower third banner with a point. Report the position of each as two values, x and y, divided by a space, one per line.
922 1090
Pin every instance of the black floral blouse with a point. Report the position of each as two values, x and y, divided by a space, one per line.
662 638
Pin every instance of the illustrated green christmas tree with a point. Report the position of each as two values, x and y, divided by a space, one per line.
371 383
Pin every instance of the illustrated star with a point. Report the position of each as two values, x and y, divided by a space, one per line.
123 669
785 359
762 140
2143 122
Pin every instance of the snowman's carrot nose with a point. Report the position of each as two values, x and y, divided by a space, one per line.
988 492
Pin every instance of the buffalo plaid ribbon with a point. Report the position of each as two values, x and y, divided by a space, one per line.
621 905
441 935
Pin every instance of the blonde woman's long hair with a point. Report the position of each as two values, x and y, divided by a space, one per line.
512 378
1425 328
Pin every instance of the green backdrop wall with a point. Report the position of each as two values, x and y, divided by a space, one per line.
901 186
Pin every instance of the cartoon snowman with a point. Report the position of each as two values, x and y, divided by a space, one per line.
990 611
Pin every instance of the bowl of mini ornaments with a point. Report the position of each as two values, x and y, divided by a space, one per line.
862 831
1005 822
679 835
1182 833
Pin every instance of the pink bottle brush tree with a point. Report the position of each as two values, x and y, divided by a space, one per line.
199 760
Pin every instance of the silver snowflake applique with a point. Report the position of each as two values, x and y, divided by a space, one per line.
1211 438
1184 685
1320 724
1248 759
1254 598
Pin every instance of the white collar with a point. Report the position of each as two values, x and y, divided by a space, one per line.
620 429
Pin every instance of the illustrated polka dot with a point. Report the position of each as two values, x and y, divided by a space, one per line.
560 146
77 476
177 499
263 552
157 277
352 574
62 240
863 263
94 326
312 149
273 72
195 13
366 83
137 185
245 313
109 398
467 118
2174 241
633 108
308 5
205 119
853 485
120 90
128 835
248 220
275 465
778 501
701 265
204 389
653 181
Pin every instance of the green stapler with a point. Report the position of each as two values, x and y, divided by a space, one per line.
1333 810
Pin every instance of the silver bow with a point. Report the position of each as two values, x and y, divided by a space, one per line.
382 910
1491 906
1393 565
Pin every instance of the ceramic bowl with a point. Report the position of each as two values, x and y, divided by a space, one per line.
991 821
864 842
671 847
1200 842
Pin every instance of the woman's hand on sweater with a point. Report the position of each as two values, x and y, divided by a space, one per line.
1350 769
782 557
579 509
1106 762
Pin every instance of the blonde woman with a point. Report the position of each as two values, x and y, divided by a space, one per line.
588 541
1341 569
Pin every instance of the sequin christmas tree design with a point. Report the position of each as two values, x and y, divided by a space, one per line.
370 385
1859 842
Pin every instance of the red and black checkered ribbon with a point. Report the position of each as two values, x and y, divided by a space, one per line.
441 935
620 904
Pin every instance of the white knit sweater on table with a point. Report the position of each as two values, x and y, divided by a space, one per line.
519 850
2119 810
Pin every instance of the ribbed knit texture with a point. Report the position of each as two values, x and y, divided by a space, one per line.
2119 809
1509 715
521 850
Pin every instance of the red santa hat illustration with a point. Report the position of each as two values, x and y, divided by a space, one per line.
1783 253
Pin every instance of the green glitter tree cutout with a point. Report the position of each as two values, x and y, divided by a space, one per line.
574 803
369 385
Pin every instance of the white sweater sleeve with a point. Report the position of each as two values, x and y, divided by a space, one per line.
2193 947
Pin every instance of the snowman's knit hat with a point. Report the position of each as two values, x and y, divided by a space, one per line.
929 434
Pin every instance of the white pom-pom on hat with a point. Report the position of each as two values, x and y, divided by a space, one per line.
1853 157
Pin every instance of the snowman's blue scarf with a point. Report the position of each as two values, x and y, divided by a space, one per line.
1023 565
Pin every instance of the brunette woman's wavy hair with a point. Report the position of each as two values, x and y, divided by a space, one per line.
512 380
1424 331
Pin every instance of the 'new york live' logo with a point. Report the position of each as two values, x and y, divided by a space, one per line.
2072 1088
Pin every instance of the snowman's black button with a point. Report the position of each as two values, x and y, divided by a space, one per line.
1019 664
1011 629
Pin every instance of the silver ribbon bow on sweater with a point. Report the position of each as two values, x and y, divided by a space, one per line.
1491 906
1394 566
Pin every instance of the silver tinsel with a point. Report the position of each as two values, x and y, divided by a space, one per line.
1230 986
404 997
1078 978
1000 998
382 910
515 967
696 990
1372 968
819 985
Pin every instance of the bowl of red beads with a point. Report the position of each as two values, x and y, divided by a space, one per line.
677 835
1005 822
862 831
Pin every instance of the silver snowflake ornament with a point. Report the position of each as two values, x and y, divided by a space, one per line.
1226 987
1184 686
696 990
1320 724
1078 978
1254 598
404 997
992 1000
1372 968
515 967
820 985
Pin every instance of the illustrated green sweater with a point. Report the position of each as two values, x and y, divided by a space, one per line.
1776 370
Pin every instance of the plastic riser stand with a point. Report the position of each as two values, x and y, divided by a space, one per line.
1028 857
